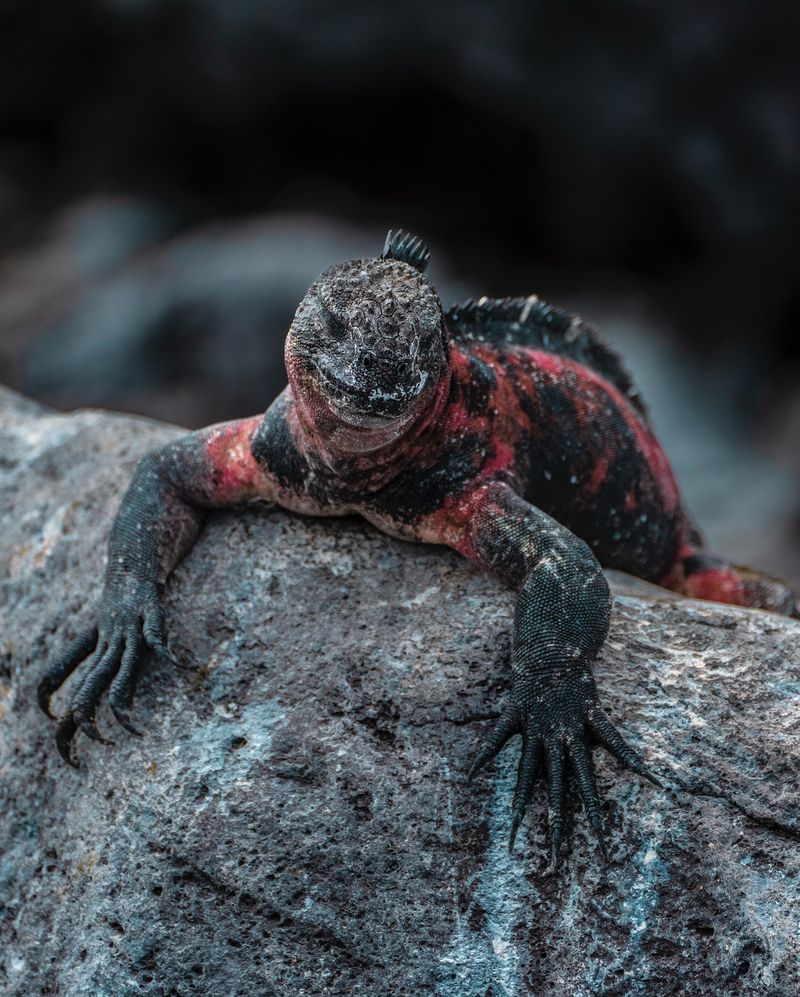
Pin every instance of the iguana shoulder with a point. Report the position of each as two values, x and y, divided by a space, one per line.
532 323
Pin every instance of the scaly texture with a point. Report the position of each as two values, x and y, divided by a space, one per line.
505 429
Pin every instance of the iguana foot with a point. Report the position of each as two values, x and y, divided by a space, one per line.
559 722
110 653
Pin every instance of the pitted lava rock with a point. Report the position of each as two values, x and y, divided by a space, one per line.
295 818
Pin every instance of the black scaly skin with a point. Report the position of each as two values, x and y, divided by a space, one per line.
561 620
504 428
158 522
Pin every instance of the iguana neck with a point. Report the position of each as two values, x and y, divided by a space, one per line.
363 458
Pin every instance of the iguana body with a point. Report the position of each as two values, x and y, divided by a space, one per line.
504 429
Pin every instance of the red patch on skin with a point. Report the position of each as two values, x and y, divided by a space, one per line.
598 476
451 523
630 501
553 364
501 460
458 417
459 364
562 369
237 475
717 585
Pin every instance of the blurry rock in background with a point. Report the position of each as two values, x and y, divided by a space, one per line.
173 176
190 330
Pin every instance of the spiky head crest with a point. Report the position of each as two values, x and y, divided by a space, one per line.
407 248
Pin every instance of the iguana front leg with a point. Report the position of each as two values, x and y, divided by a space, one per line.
561 621
157 523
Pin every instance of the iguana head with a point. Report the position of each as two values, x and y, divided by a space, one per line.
367 350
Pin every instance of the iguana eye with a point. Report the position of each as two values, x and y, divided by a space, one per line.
335 326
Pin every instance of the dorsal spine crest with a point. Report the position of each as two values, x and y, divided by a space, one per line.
529 321
406 248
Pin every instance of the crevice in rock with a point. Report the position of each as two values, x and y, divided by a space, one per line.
455 721
763 820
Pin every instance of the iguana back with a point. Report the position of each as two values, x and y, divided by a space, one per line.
533 323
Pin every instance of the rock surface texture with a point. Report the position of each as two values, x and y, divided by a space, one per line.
295 819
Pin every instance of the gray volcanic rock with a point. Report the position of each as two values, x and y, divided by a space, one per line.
295 819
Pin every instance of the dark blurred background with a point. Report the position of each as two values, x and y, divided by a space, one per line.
174 174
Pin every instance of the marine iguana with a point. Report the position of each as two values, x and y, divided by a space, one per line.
503 428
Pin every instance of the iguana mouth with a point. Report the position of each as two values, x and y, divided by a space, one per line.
365 409
369 408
